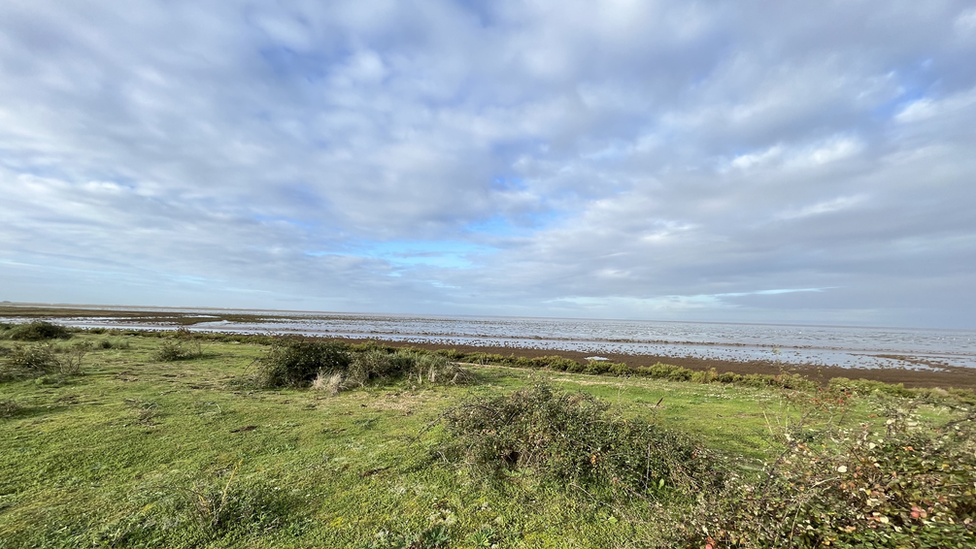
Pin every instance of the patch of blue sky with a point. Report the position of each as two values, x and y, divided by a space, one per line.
495 226
405 254
515 226
542 220
913 84
509 183
286 62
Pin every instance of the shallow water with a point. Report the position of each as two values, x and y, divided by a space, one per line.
790 344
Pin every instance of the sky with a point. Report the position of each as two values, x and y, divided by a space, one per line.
754 161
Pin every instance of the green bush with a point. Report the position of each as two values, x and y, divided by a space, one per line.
171 351
596 367
9 408
38 330
105 344
374 364
729 377
864 387
904 485
574 438
35 361
296 361
430 368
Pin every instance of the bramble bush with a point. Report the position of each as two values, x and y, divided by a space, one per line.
296 361
907 484
378 365
334 366
39 360
575 439
38 330
172 351
9 408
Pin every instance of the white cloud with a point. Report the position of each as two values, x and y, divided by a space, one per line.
926 107
838 204
965 22
623 159
833 150
746 161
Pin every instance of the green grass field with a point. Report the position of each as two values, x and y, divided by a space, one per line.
137 452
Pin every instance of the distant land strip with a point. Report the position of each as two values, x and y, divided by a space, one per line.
939 375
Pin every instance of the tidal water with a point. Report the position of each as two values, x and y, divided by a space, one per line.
791 344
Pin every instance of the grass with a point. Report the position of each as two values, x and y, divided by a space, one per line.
143 452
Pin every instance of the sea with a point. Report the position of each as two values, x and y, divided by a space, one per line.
843 346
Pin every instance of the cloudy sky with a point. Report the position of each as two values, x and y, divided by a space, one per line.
799 162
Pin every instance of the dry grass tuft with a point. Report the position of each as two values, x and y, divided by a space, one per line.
330 382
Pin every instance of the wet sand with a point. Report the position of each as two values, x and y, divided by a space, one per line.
942 376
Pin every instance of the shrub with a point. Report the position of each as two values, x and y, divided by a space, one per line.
574 438
105 344
34 361
38 330
558 363
704 376
596 367
451 354
862 387
904 485
437 369
729 377
296 361
9 408
171 351
620 369
376 363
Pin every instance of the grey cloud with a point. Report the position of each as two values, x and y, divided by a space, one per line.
668 159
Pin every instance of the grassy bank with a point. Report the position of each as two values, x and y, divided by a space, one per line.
173 441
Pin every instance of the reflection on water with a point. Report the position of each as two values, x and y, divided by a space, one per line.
819 345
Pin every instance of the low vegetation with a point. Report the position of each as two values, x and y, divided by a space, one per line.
574 439
124 439
298 362
38 330
41 361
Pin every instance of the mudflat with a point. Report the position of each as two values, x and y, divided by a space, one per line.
932 375
928 374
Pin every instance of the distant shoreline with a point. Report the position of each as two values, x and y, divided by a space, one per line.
962 378
933 375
